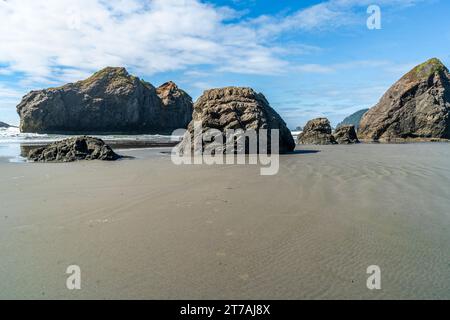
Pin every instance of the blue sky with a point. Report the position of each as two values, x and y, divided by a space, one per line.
310 58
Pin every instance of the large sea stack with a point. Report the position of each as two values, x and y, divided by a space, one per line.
317 131
237 109
110 101
416 107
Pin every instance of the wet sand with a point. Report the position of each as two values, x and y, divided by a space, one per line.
147 229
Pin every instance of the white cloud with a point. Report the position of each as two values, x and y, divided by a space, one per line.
8 101
69 38
66 39
325 15
321 68
8 94
314 68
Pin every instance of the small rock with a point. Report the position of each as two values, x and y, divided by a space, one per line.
346 134
74 149
317 131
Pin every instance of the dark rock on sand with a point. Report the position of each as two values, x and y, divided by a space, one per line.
317 131
417 107
74 149
346 134
110 101
236 108
353 119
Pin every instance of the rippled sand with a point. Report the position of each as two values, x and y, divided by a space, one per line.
145 228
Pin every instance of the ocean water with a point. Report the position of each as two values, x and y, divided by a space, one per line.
13 135
12 141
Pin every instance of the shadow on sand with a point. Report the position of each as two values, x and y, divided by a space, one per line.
302 152
287 153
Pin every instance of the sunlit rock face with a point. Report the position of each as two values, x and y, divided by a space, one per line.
317 131
416 107
110 101
239 109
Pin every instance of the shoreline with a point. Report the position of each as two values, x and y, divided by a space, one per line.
16 152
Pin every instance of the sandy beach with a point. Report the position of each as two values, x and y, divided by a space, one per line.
147 229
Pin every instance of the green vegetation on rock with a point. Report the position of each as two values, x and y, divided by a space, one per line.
116 76
415 108
426 69
111 101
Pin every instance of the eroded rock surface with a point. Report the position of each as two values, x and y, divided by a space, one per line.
346 134
110 101
416 107
317 131
74 149
236 108
177 106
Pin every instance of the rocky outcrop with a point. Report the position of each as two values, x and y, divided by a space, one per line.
317 131
4 125
235 108
173 101
74 149
417 107
110 101
346 134
353 119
